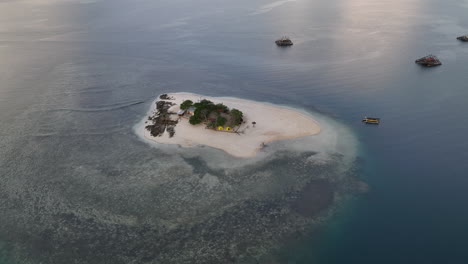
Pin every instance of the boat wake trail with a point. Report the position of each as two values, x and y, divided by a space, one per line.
111 107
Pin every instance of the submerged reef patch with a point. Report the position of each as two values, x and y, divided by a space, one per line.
121 201
190 212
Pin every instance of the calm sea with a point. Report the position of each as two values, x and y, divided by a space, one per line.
76 75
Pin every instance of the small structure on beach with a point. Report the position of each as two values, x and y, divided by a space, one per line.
191 111
181 112
428 61
284 41
463 38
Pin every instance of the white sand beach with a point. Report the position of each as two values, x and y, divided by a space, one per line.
272 123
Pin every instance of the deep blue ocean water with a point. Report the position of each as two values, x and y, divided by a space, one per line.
75 76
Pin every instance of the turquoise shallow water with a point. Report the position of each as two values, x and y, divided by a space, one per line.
77 75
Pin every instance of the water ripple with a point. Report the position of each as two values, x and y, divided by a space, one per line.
111 107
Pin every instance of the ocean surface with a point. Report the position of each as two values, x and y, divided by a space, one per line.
78 186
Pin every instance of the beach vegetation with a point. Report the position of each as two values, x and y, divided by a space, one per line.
204 104
211 124
236 116
195 120
213 115
186 104
221 108
220 121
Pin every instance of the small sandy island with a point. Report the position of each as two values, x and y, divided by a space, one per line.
259 124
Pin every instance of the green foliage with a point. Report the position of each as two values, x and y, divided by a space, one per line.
237 116
220 121
221 108
200 113
197 112
186 104
211 125
204 104
206 108
202 110
195 120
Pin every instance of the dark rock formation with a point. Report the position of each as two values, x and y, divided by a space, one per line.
161 121
165 97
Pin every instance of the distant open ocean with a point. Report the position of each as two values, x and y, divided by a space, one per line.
77 75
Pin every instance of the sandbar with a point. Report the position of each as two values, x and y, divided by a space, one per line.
272 122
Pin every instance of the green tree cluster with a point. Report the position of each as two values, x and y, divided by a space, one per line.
221 108
237 116
204 108
220 121
195 120
186 104
204 104
211 124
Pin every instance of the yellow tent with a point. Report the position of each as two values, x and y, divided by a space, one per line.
228 128
220 128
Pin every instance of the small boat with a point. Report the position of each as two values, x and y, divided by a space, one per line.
463 38
428 61
284 41
371 120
